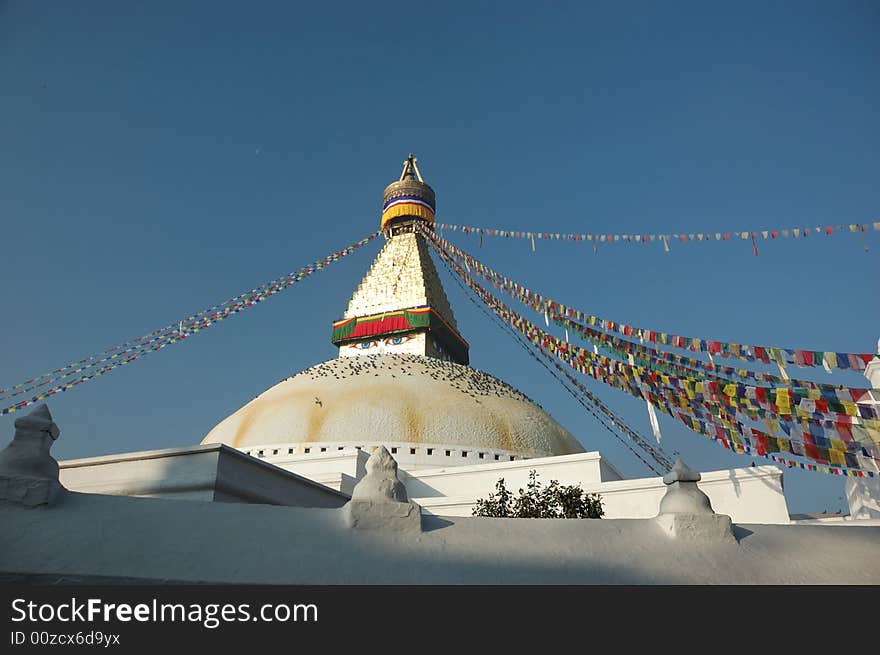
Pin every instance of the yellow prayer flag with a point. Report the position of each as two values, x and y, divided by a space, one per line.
829 360
850 408
782 401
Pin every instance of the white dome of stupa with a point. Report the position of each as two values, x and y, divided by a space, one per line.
395 399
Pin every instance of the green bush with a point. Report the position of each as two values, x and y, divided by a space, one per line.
539 502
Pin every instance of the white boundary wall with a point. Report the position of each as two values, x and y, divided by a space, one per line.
747 495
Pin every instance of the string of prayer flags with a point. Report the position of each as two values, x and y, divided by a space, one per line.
747 406
794 233
705 406
745 352
75 373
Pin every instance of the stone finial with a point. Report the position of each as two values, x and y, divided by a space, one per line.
379 500
685 511
683 496
28 472
681 472
381 482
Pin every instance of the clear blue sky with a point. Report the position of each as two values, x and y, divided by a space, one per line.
158 157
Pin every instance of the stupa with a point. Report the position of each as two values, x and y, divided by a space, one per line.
402 377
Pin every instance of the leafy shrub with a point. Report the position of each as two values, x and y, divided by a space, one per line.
536 501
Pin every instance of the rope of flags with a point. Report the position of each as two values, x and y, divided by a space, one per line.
621 347
589 401
62 379
744 448
705 408
824 405
639 354
749 353
670 238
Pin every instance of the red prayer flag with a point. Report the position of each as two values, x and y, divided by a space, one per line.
844 432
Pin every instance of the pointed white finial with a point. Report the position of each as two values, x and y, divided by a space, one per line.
686 512
683 496
381 482
28 472
379 500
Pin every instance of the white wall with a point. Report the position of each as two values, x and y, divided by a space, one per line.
212 472
479 480
747 495
450 484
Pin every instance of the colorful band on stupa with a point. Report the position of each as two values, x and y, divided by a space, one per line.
408 206
399 322
409 197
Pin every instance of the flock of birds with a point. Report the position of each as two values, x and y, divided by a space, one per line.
465 379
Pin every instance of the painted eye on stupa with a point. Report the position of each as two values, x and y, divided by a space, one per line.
364 345
396 341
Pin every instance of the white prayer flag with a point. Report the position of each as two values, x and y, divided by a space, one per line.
652 416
